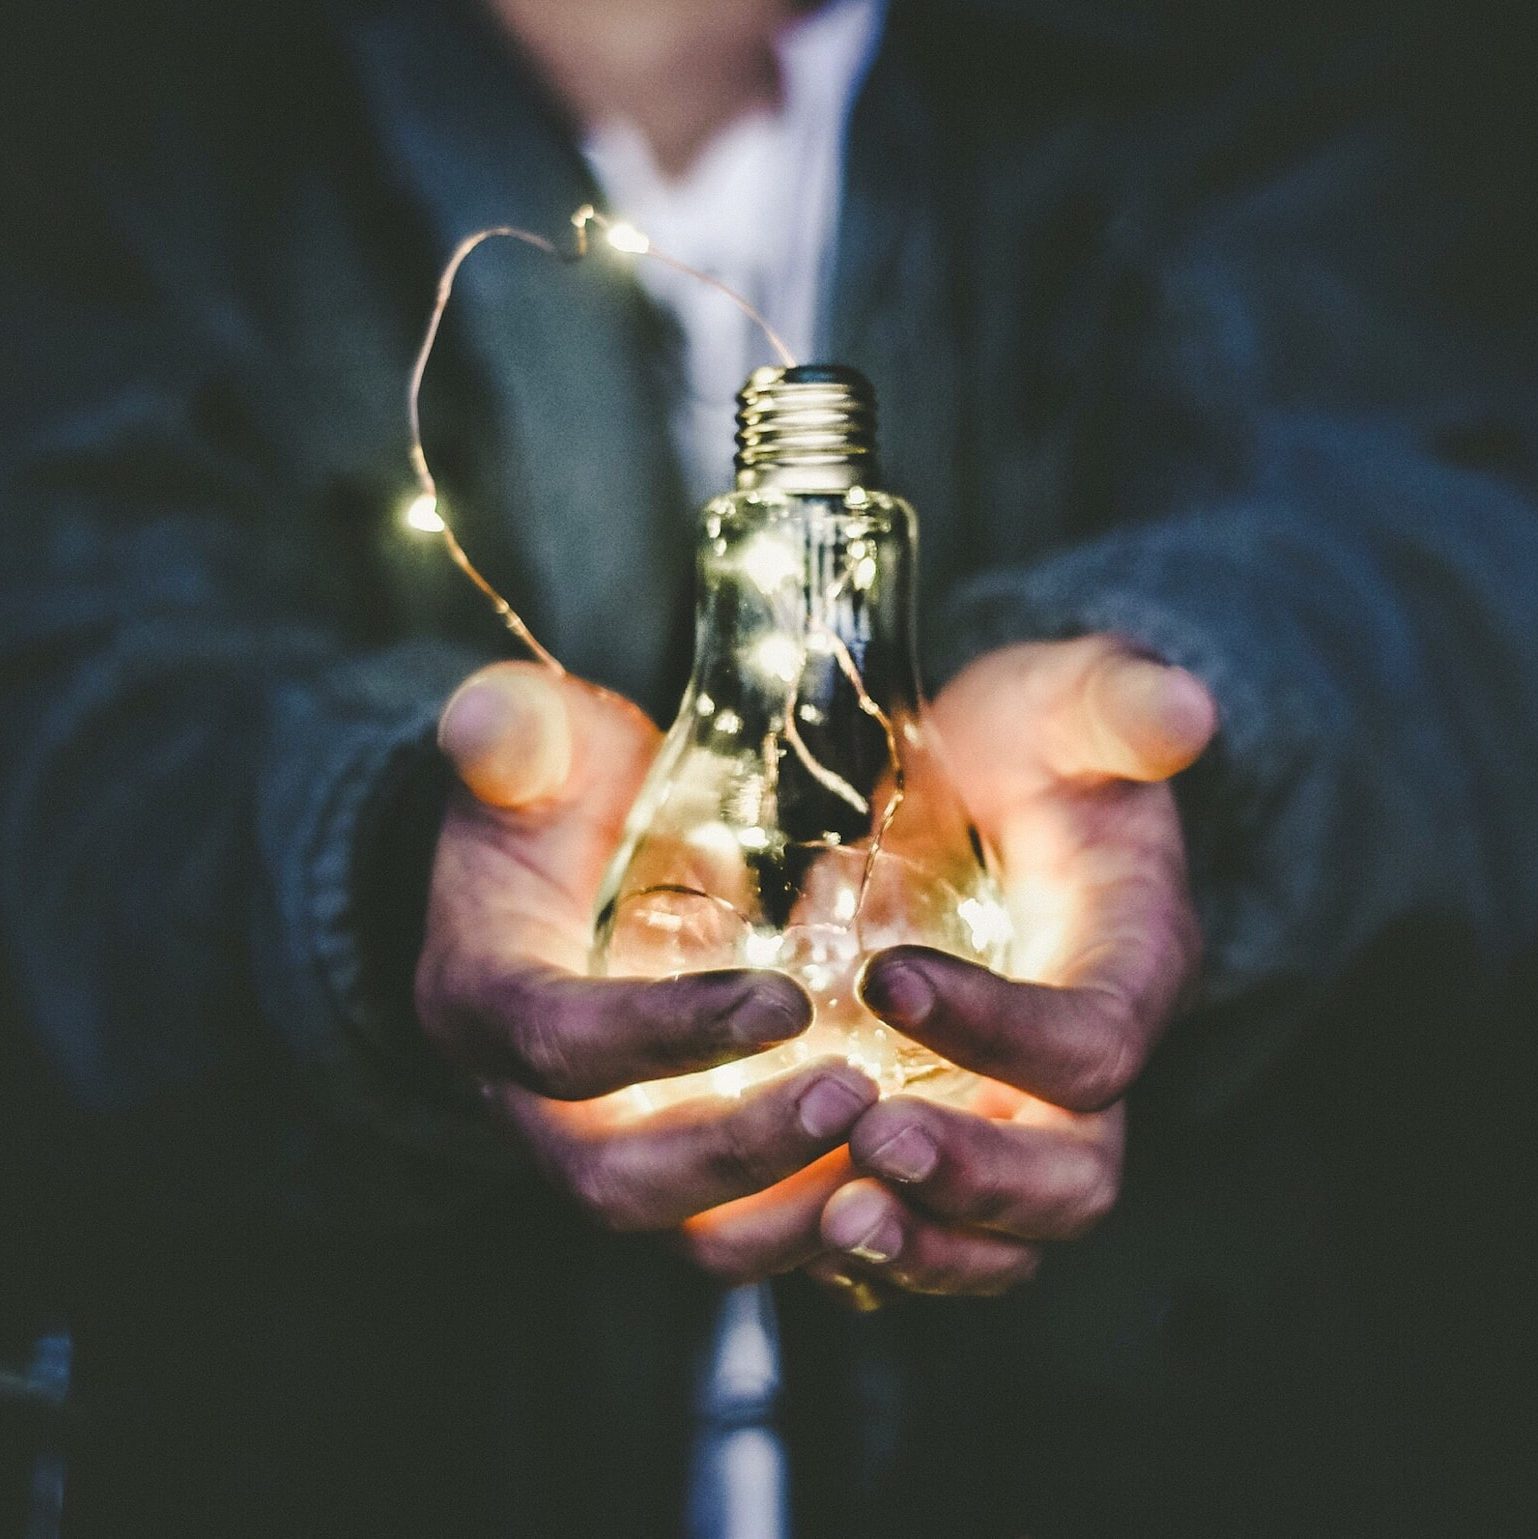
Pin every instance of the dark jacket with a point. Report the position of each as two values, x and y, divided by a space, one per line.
1209 338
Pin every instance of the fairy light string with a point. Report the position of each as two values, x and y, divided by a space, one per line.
425 513
626 238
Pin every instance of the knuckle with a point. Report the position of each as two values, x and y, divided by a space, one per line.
673 1021
718 1256
1021 1270
982 1193
1087 1197
545 1054
940 1273
1102 1062
741 1162
602 1193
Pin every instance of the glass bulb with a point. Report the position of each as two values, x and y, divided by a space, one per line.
799 815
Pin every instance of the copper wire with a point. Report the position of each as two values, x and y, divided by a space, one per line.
587 215
425 480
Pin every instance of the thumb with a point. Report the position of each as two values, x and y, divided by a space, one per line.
1131 718
507 732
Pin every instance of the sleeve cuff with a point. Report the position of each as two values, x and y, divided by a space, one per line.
1184 592
348 829
1165 591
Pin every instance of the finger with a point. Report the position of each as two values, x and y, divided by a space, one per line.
1129 718
873 1227
1088 709
1079 1047
653 1172
770 1232
1029 1182
507 732
573 1037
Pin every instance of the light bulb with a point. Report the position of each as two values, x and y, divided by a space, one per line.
799 815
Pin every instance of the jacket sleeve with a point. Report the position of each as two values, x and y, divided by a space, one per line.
217 778
1320 494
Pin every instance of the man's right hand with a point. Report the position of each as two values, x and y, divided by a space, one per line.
548 768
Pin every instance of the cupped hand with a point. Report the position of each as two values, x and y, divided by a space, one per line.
1062 751
548 768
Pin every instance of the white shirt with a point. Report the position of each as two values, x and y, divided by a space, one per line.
758 209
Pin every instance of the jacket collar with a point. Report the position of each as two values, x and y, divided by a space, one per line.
585 525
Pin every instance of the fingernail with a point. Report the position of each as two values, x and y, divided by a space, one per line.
909 1155
829 1107
762 1017
860 1226
899 992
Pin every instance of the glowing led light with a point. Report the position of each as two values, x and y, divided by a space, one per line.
421 514
988 923
729 1080
779 657
714 839
864 572
704 705
625 237
761 950
770 563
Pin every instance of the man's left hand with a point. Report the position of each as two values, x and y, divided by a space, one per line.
1062 751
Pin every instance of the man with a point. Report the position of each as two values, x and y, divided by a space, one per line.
1166 418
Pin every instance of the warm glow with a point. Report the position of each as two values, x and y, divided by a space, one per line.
731 1079
779 657
421 514
625 237
988 923
770 563
762 950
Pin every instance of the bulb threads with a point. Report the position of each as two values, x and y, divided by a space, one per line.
806 428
